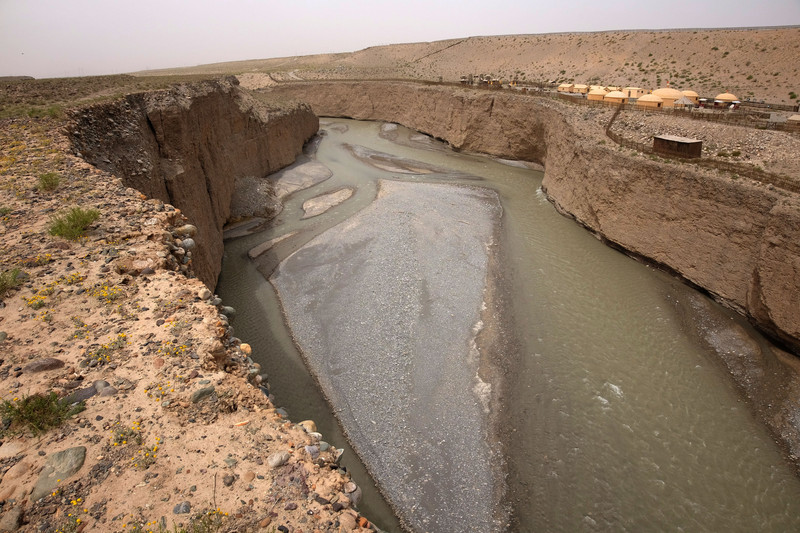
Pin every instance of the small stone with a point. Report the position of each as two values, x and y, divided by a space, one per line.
338 506
187 230
3 336
278 459
312 451
228 479
188 244
291 506
182 508
249 476
283 529
158 362
309 425
12 519
204 294
265 522
228 311
363 522
81 395
202 393
246 349
347 522
108 391
100 385
323 446
322 501
59 466
350 487
40 365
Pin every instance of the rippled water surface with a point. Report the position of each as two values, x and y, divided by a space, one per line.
615 418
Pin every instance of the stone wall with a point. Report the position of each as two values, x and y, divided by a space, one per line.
187 145
735 238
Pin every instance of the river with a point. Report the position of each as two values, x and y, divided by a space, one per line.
615 415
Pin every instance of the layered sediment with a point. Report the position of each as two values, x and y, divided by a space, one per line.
735 238
188 145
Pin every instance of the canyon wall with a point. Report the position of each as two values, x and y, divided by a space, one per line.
187 146
735 238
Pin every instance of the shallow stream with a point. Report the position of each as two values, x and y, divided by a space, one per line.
616 416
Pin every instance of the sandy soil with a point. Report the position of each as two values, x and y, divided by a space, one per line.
751 63
174 429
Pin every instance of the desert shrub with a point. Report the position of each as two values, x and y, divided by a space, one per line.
37 413
72 224
9 279
48 181
736 153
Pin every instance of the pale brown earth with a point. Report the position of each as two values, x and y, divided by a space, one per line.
751 63
181 418
773 150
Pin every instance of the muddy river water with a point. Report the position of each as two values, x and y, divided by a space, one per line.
609 413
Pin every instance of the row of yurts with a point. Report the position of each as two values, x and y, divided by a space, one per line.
664 97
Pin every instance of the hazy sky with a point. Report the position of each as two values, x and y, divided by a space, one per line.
50 38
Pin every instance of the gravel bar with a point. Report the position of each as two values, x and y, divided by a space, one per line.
385 307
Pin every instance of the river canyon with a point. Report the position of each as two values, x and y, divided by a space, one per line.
605 407
566 386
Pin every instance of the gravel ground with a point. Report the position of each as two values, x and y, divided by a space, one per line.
384 307
774 151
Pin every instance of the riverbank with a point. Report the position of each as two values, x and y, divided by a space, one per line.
174 430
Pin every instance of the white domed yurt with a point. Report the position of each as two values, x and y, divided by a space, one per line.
668 95
693 96
650 101
616 97
596 94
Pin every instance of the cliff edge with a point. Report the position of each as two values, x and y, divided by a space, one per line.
188 145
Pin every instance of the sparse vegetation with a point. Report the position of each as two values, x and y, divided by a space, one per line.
49 181
72 224
37 413
9 279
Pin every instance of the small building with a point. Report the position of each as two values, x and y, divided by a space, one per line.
726 100
580 88
596 94
649 101
611 88
668 95
693 96
633 92
677 146
565 88
616 97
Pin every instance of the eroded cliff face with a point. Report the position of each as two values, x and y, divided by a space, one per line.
187 146
735 238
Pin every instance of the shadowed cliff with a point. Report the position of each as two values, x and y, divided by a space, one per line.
187 145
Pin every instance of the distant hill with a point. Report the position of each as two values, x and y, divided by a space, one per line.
758 63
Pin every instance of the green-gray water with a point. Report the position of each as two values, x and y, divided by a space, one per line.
616 417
